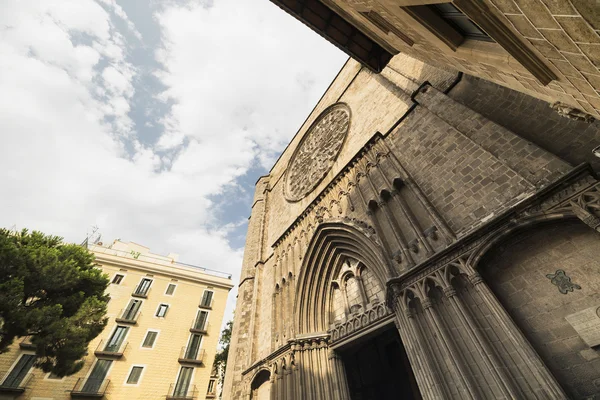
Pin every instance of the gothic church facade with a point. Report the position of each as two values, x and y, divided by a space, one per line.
427 234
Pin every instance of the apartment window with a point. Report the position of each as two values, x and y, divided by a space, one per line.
211 386
207 299
135 375
170 289
16 376
118 278
183 382
201 319
150 339
117 338
143 287
162 310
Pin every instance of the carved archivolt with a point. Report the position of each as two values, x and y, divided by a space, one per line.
317 152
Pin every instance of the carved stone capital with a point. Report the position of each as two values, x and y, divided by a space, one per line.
475 279
449 291
427 303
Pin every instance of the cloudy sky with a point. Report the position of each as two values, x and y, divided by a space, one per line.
150 119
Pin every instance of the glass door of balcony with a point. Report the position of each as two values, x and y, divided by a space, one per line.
18 373
183 382
94 381
115 341
193 347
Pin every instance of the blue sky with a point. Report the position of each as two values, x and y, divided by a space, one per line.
150 119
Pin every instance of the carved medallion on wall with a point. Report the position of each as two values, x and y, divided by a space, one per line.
317 152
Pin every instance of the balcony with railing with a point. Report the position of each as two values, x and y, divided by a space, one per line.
128 316
26 344
110 350
199 326
141 292
15 386
189 355
181 392
86 388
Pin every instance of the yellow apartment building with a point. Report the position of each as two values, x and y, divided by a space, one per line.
160 341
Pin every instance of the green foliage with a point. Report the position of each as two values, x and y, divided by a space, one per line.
52 292
221 356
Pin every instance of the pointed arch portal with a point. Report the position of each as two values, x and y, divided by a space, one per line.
341 288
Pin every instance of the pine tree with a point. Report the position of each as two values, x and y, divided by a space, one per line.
52 292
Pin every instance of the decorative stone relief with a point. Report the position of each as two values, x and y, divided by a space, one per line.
568 111
317 152
562 281
358 322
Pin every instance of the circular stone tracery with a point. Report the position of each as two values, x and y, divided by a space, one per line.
317 152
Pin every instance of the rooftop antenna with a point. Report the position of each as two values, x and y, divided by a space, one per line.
94 237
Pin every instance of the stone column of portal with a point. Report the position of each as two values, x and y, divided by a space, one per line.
307 367
537 367
494 365
419 353
340 383
272 382
459 369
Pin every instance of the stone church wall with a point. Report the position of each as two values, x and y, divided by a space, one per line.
517 273
531 119
392 233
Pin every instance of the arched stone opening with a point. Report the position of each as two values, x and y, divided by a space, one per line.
260 388
339 297
546 277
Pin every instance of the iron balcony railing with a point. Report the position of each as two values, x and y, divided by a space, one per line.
106 349
26 344
181 392
141 291
16 386
128 316
90 387
190 355
199 326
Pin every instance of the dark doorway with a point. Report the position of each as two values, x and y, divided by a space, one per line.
378 369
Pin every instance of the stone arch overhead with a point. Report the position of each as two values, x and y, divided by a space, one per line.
331 243
263 368
504 234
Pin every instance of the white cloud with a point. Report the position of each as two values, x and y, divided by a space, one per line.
241 76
